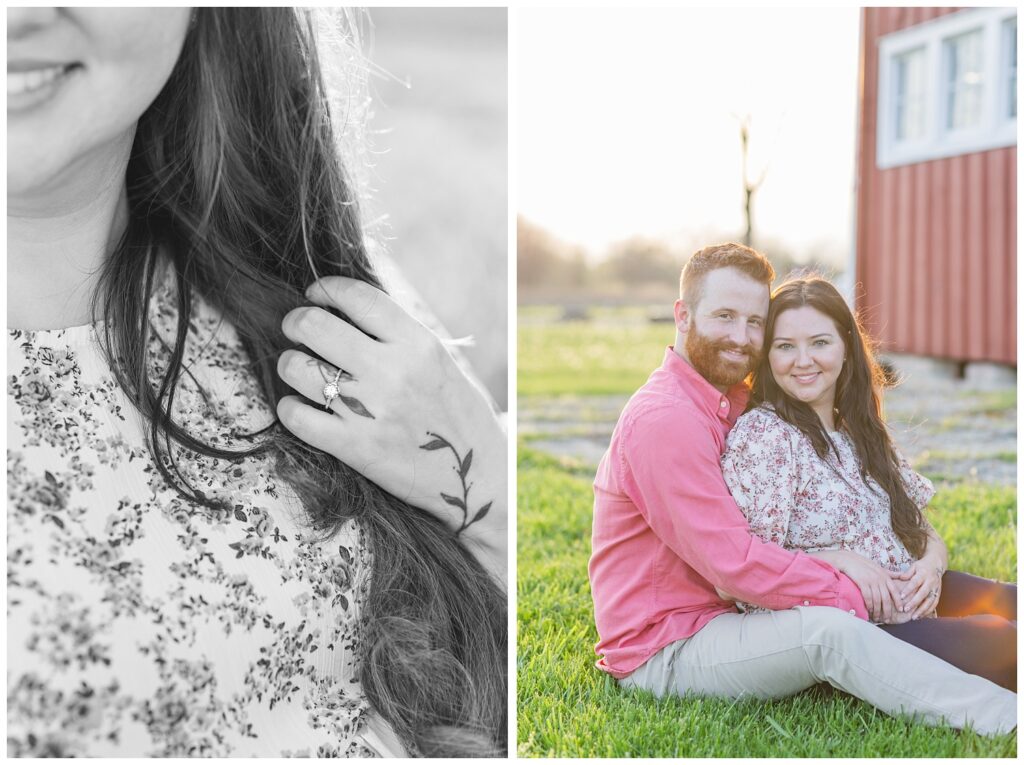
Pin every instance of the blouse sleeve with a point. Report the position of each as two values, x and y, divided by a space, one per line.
760 469
918 488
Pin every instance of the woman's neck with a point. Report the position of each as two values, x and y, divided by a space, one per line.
827 416
57 242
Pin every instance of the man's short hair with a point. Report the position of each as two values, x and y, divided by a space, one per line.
728 255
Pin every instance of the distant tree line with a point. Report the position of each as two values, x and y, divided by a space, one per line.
545 261
547 264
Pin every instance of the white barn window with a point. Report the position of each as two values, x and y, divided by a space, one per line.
948 87
909 97
964 80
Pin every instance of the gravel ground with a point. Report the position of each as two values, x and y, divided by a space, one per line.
949 429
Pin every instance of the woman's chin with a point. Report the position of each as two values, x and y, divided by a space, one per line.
29 173
803 397
60 174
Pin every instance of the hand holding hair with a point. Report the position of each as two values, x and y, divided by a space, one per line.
390 401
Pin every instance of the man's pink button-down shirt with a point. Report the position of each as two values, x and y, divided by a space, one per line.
666 531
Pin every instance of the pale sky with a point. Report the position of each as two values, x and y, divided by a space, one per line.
626 121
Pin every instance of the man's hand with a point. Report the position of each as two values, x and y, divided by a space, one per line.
880 587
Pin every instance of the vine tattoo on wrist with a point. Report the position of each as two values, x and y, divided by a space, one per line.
462 468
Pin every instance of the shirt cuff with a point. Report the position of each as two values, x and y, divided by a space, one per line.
848 598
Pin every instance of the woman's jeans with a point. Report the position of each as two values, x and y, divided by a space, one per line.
975 630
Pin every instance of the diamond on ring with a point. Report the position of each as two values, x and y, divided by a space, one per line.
331 391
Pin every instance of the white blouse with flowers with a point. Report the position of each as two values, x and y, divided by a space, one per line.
799 501
141 624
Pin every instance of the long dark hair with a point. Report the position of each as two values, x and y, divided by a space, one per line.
234 178
858 401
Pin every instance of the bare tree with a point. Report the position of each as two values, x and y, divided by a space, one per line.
749 187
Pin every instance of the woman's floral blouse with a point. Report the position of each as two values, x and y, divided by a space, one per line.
799 501
141 624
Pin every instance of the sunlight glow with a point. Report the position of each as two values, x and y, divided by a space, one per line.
629 122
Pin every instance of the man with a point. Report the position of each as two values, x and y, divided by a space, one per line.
669 542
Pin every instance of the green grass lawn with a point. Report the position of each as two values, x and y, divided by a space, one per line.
568 708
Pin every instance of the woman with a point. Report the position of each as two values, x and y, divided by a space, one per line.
813 467
201 562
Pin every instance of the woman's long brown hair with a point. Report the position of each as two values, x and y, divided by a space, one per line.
858 401
234 178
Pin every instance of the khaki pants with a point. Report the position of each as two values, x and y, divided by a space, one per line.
778 654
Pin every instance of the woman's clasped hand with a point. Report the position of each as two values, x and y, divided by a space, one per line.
921 585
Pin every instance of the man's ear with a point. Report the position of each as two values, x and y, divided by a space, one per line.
681 311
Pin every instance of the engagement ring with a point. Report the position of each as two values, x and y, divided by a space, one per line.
331 391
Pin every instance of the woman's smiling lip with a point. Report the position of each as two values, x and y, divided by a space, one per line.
30 84
33 64
807 378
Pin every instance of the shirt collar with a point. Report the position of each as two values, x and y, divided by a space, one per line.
728 406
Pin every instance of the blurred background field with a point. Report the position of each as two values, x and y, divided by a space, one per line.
439 136
611 353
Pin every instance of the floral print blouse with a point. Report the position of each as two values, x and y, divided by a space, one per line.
799 501
140 624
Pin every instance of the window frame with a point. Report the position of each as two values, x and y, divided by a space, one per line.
995 129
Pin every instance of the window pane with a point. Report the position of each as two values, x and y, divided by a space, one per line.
910 87
963 80
1010 41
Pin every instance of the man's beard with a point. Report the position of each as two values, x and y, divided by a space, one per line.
706 357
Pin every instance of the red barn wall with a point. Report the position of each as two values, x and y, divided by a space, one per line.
936 240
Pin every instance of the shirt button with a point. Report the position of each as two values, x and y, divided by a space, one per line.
724 404
807 602
853 611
